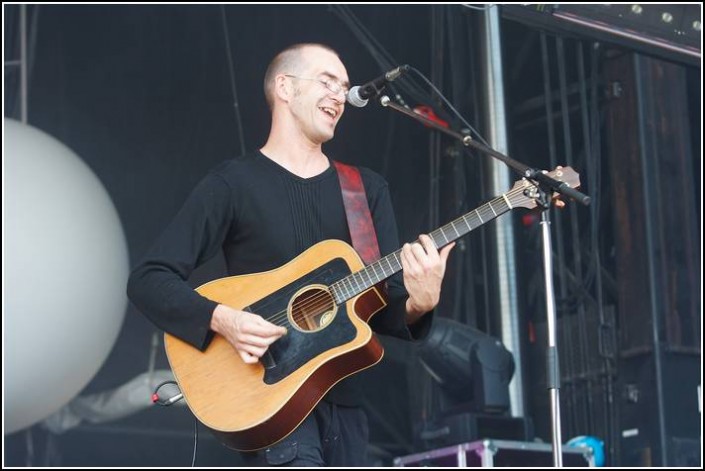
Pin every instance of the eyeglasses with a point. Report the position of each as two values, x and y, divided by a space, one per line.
331 84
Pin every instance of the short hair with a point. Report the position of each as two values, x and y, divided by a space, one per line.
289 60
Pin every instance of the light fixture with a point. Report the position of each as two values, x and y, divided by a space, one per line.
473 368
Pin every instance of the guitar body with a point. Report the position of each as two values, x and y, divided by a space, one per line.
249 407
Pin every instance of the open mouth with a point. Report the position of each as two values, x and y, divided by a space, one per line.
331 112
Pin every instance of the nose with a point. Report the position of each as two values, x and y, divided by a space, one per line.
339 96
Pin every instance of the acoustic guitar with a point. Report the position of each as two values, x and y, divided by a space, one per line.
325 297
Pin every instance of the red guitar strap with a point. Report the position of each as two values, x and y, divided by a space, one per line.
362 230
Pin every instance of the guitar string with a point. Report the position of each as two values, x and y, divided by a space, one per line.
318 304
324 299
318 301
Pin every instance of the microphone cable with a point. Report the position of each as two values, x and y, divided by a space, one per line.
383 58
231 69
170 401
386 61
448 104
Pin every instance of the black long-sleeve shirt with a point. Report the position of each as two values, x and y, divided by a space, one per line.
261 216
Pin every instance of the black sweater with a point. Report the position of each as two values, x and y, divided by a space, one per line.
261 216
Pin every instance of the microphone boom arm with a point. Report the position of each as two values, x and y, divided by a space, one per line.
524 170
387 102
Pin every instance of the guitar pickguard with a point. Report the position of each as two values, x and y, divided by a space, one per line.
297 347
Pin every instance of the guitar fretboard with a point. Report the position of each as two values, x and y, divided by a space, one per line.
356 283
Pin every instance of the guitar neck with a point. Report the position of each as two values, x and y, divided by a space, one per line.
356 283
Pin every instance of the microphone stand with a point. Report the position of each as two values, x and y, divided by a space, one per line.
546 187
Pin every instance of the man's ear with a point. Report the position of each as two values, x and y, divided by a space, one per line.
283 88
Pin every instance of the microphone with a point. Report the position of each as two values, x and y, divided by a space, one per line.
360 94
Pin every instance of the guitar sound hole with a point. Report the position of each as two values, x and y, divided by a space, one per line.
312 308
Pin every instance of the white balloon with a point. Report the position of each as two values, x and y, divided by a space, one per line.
66 267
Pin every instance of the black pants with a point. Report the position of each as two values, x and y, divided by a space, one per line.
332 435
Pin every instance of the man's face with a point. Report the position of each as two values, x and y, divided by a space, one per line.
315 107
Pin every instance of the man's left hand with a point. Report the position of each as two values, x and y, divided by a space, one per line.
424 267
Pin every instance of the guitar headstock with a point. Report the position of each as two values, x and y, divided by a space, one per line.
524 193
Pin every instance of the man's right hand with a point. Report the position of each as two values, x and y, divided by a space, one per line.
248 333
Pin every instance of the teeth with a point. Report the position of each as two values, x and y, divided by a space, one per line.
330 111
